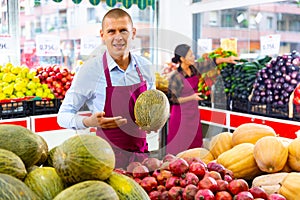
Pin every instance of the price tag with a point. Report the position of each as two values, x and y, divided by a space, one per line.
269 44
204 46
229 44
7 46
47 45
88 44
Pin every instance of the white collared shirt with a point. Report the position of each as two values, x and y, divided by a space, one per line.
89 86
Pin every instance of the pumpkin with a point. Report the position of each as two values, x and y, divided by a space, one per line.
126 187
271 183
290 186
45 182
84 157
151 110
240 160
220 143
294 155
21 141
251 132
201 153
12 164
13 188
270 154
91 189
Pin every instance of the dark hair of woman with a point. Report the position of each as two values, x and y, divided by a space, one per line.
180 51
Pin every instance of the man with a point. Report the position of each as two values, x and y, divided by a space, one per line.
109 84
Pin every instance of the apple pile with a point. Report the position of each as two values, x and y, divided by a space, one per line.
174 178
58 78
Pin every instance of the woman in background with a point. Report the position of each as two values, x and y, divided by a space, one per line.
185 129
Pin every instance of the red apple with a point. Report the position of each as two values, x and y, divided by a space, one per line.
149 183
189 192
244 195
227 178
168 157
49 79
237 185
59 76
45 75
198 169
223 195
213 166
178 166
152 163
276 196
172 181
208 183
258 192
222 185
214 174
63 79
204 194
175 193
132 165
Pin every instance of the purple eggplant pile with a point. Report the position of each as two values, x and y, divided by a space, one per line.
277 80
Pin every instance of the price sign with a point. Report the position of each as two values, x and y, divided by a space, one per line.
204 46
269 44
229 44
88 44
7 46
47 45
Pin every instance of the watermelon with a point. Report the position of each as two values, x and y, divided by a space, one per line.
91 190
22 142
14 189
12 164
84 157
45 182
151 110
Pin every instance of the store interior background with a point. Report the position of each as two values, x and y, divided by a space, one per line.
161 26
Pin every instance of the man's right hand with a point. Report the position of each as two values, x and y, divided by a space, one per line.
98 120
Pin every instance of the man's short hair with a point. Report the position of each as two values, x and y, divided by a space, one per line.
116 13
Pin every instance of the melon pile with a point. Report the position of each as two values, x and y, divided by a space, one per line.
82 167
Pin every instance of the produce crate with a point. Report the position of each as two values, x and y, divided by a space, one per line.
206 103
13 109
258 109
278 111
240 105
42 106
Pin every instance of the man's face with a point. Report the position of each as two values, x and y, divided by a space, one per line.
117 34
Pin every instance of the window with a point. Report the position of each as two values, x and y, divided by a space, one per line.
227 20
213 18
63 18
91 15
270 23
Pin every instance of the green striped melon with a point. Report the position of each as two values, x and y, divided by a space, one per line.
12 164
151 110
90 190
12 188
45 182
21 141
49 161
126 187
84 157
44 150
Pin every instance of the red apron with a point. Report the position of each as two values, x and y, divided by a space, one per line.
185 130
128 141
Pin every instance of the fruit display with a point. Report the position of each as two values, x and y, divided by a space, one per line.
20 82
151 110
276 82
83 168
57 78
